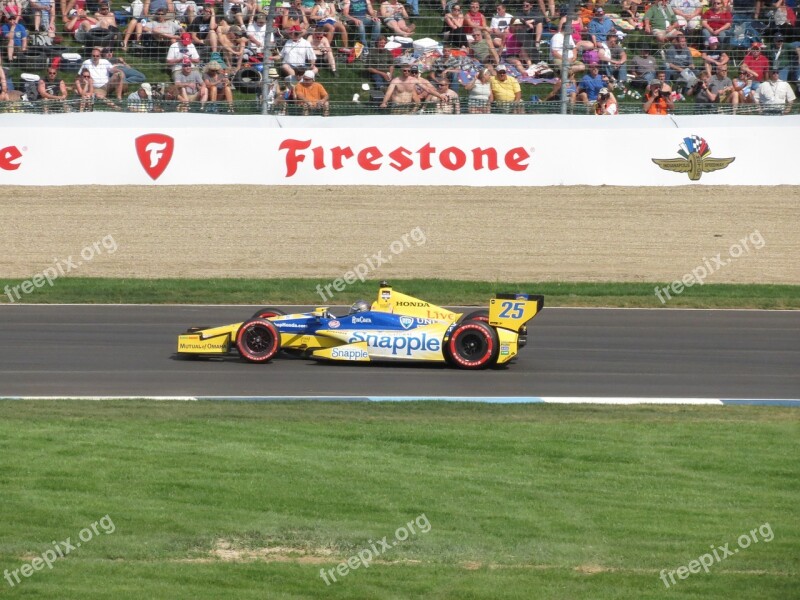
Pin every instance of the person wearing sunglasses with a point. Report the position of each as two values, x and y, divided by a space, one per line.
53 91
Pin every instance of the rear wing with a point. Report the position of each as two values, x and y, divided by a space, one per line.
513 311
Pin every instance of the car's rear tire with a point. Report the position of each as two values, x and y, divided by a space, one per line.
258 340
267 313
477 315
473 345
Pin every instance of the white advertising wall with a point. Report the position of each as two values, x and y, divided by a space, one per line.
473 150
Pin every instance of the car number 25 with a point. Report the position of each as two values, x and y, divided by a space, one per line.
511 310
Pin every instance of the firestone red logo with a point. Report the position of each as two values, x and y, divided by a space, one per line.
154 151
400 158
10 158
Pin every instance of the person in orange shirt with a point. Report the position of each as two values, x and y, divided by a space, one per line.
657 101
311 95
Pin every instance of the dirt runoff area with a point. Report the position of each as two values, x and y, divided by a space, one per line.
740 235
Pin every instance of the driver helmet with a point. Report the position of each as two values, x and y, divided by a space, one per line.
359 306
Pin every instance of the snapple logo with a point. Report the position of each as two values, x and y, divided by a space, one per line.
10 158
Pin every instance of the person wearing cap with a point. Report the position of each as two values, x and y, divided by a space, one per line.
181 50
297 54
203 29
142 99
783 59
718 22
755 65
506 91
15 34
600 26
73 23
361 14
606 103
689 14
277 94
661 22
533 19
218 85
775 96
189 84
311 95
713 56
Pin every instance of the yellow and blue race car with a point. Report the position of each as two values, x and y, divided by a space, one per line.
394 327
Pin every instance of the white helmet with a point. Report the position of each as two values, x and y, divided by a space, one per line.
359 306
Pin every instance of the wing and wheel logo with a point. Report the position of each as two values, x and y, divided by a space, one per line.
695 159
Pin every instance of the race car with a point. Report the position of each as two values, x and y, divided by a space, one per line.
394 327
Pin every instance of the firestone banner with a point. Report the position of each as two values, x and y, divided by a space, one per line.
469 150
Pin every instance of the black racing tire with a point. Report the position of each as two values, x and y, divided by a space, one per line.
472 345
33 59
267 313
477 315
248 80
258 340
99 37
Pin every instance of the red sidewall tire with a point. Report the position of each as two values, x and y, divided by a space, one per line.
258 340
473 345
267 313
477 315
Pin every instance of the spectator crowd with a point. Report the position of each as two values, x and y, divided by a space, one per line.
717 54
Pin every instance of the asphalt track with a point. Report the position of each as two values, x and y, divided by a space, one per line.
129 351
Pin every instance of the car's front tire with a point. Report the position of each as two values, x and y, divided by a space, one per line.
258 340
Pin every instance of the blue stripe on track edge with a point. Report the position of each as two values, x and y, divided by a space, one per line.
622 401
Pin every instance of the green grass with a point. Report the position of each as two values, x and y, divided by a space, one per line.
437 291
523 501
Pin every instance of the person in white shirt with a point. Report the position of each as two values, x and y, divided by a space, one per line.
297 54
100 71
775 95
556 53
183 48
499 27
257 33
